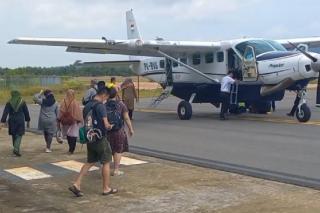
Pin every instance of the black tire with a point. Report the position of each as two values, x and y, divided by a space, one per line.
184 110
304 114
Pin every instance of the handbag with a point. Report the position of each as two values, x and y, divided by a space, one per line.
59 136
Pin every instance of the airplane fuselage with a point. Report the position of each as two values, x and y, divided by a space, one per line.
273 66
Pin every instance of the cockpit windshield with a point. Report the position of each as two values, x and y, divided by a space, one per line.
260 46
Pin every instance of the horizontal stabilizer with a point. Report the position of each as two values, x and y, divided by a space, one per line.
111 63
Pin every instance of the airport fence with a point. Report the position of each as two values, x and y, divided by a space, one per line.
16 82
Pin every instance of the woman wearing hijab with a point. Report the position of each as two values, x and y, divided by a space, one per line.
48 116
18 113
70 119
129 93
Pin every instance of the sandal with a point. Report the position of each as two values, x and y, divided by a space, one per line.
117 173
112 191
75 191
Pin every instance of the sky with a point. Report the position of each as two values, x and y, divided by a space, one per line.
202 20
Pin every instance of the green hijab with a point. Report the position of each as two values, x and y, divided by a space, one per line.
15 100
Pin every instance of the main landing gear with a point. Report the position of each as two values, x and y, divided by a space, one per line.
185 108
303 112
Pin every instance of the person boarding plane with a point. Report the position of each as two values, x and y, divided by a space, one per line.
192 70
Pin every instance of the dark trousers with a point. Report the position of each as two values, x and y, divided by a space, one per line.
16 142
72 141
273 105
130 113
48 138
295 105
225 97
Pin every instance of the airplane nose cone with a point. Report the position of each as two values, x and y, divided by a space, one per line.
316 66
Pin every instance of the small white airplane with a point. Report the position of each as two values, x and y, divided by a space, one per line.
192 71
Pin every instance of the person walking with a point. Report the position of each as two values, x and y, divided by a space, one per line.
48 116
17 110
117 136
91 92
112 83
98 151
225 90
70 119
129 93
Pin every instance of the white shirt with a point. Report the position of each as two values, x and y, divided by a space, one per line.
226 83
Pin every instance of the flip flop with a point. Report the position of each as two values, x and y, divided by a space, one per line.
112 191
75 191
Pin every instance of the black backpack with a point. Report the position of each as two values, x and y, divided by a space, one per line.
89 134
114 115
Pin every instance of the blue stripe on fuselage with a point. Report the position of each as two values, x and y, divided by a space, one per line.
276 55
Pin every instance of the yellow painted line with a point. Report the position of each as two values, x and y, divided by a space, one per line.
27 173
279 120
249 118
156 111
73 165
130 161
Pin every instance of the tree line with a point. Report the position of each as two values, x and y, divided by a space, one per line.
71 70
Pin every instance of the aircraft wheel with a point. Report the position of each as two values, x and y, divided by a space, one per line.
184 110
304 114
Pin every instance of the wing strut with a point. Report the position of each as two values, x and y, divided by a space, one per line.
187 66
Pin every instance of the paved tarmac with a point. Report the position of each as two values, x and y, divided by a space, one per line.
269 146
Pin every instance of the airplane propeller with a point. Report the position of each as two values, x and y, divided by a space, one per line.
315 66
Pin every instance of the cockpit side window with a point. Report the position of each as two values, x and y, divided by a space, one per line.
260 46
277 45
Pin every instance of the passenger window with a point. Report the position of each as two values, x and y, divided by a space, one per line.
162 64
196 59
183 60
209 58
174 63
220 57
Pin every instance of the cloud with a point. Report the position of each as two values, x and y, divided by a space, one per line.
81 14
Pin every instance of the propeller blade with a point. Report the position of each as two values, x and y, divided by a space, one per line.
318 93
304 52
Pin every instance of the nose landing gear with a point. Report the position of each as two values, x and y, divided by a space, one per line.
303 112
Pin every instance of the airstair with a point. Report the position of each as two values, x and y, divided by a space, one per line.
234 94
169 85
164 95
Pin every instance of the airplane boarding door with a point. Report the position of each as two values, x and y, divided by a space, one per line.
249 65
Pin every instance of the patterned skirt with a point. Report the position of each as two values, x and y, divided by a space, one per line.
118 141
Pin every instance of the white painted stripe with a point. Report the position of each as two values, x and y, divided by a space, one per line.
73 165
27 173
130 161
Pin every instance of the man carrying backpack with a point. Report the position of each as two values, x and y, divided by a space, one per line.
98 147
118 116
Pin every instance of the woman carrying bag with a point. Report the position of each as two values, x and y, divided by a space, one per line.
70 119
48 116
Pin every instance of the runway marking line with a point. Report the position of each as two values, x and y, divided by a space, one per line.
73 165
28 173
130 161
253 118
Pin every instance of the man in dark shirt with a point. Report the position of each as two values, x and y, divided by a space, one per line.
98 151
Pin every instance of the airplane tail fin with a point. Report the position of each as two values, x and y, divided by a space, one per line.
132 28
132 31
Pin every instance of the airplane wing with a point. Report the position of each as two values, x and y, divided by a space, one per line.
135 47
312 42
